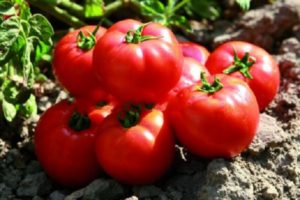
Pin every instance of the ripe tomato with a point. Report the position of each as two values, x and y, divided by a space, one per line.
138 151
72 63
191 71
138 62
196 51
64 143
252 64
214 120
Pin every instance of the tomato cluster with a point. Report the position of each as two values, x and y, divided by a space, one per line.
136 89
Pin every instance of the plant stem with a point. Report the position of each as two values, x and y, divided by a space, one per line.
179 5
74 8
110 8
58 13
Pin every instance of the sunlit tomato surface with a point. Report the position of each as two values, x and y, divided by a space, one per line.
191 71
264 70
196 51
66 153
72 65
139 154
219 124
138 62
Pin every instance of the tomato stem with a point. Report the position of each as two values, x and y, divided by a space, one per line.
87 42
242 65
135 36
209 88
79 122
131 117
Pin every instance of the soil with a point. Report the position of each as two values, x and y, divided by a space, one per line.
268 169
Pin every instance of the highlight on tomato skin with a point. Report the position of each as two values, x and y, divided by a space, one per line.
217 118
135 146
250 63
64 143
194 50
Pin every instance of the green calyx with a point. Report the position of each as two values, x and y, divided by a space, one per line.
79 122
87 42
242 65
209 88
131 117
135 36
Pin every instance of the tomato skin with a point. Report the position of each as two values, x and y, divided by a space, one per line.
265 71
137 155
221 124
191 71
66 155
196 51
138 73
73 66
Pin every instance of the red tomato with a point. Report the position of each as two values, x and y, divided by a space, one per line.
264 73
196 51
138 62
191 71
72 65
66 154
139 154
215 124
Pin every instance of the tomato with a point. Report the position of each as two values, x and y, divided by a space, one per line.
65 143
191 71
215 119
196 51
137 62
138 151
72 63
252 64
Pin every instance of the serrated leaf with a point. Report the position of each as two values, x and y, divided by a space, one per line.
41 28
93 8
244 4
10 32
9 110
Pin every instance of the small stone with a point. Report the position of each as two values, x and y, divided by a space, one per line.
268 133
12 177
270 192
132 198
103 189
33 167
5 191
78 194
147 191
37 198
56 195
34 184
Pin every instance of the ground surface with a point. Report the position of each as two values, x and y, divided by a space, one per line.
269 169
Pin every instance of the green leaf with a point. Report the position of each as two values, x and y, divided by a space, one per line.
29 108
244 4
7 8
9 110
41 28
180 22
93 8
10 33
152 7
10 91
208 9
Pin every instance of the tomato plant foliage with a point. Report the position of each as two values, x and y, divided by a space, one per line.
24 39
